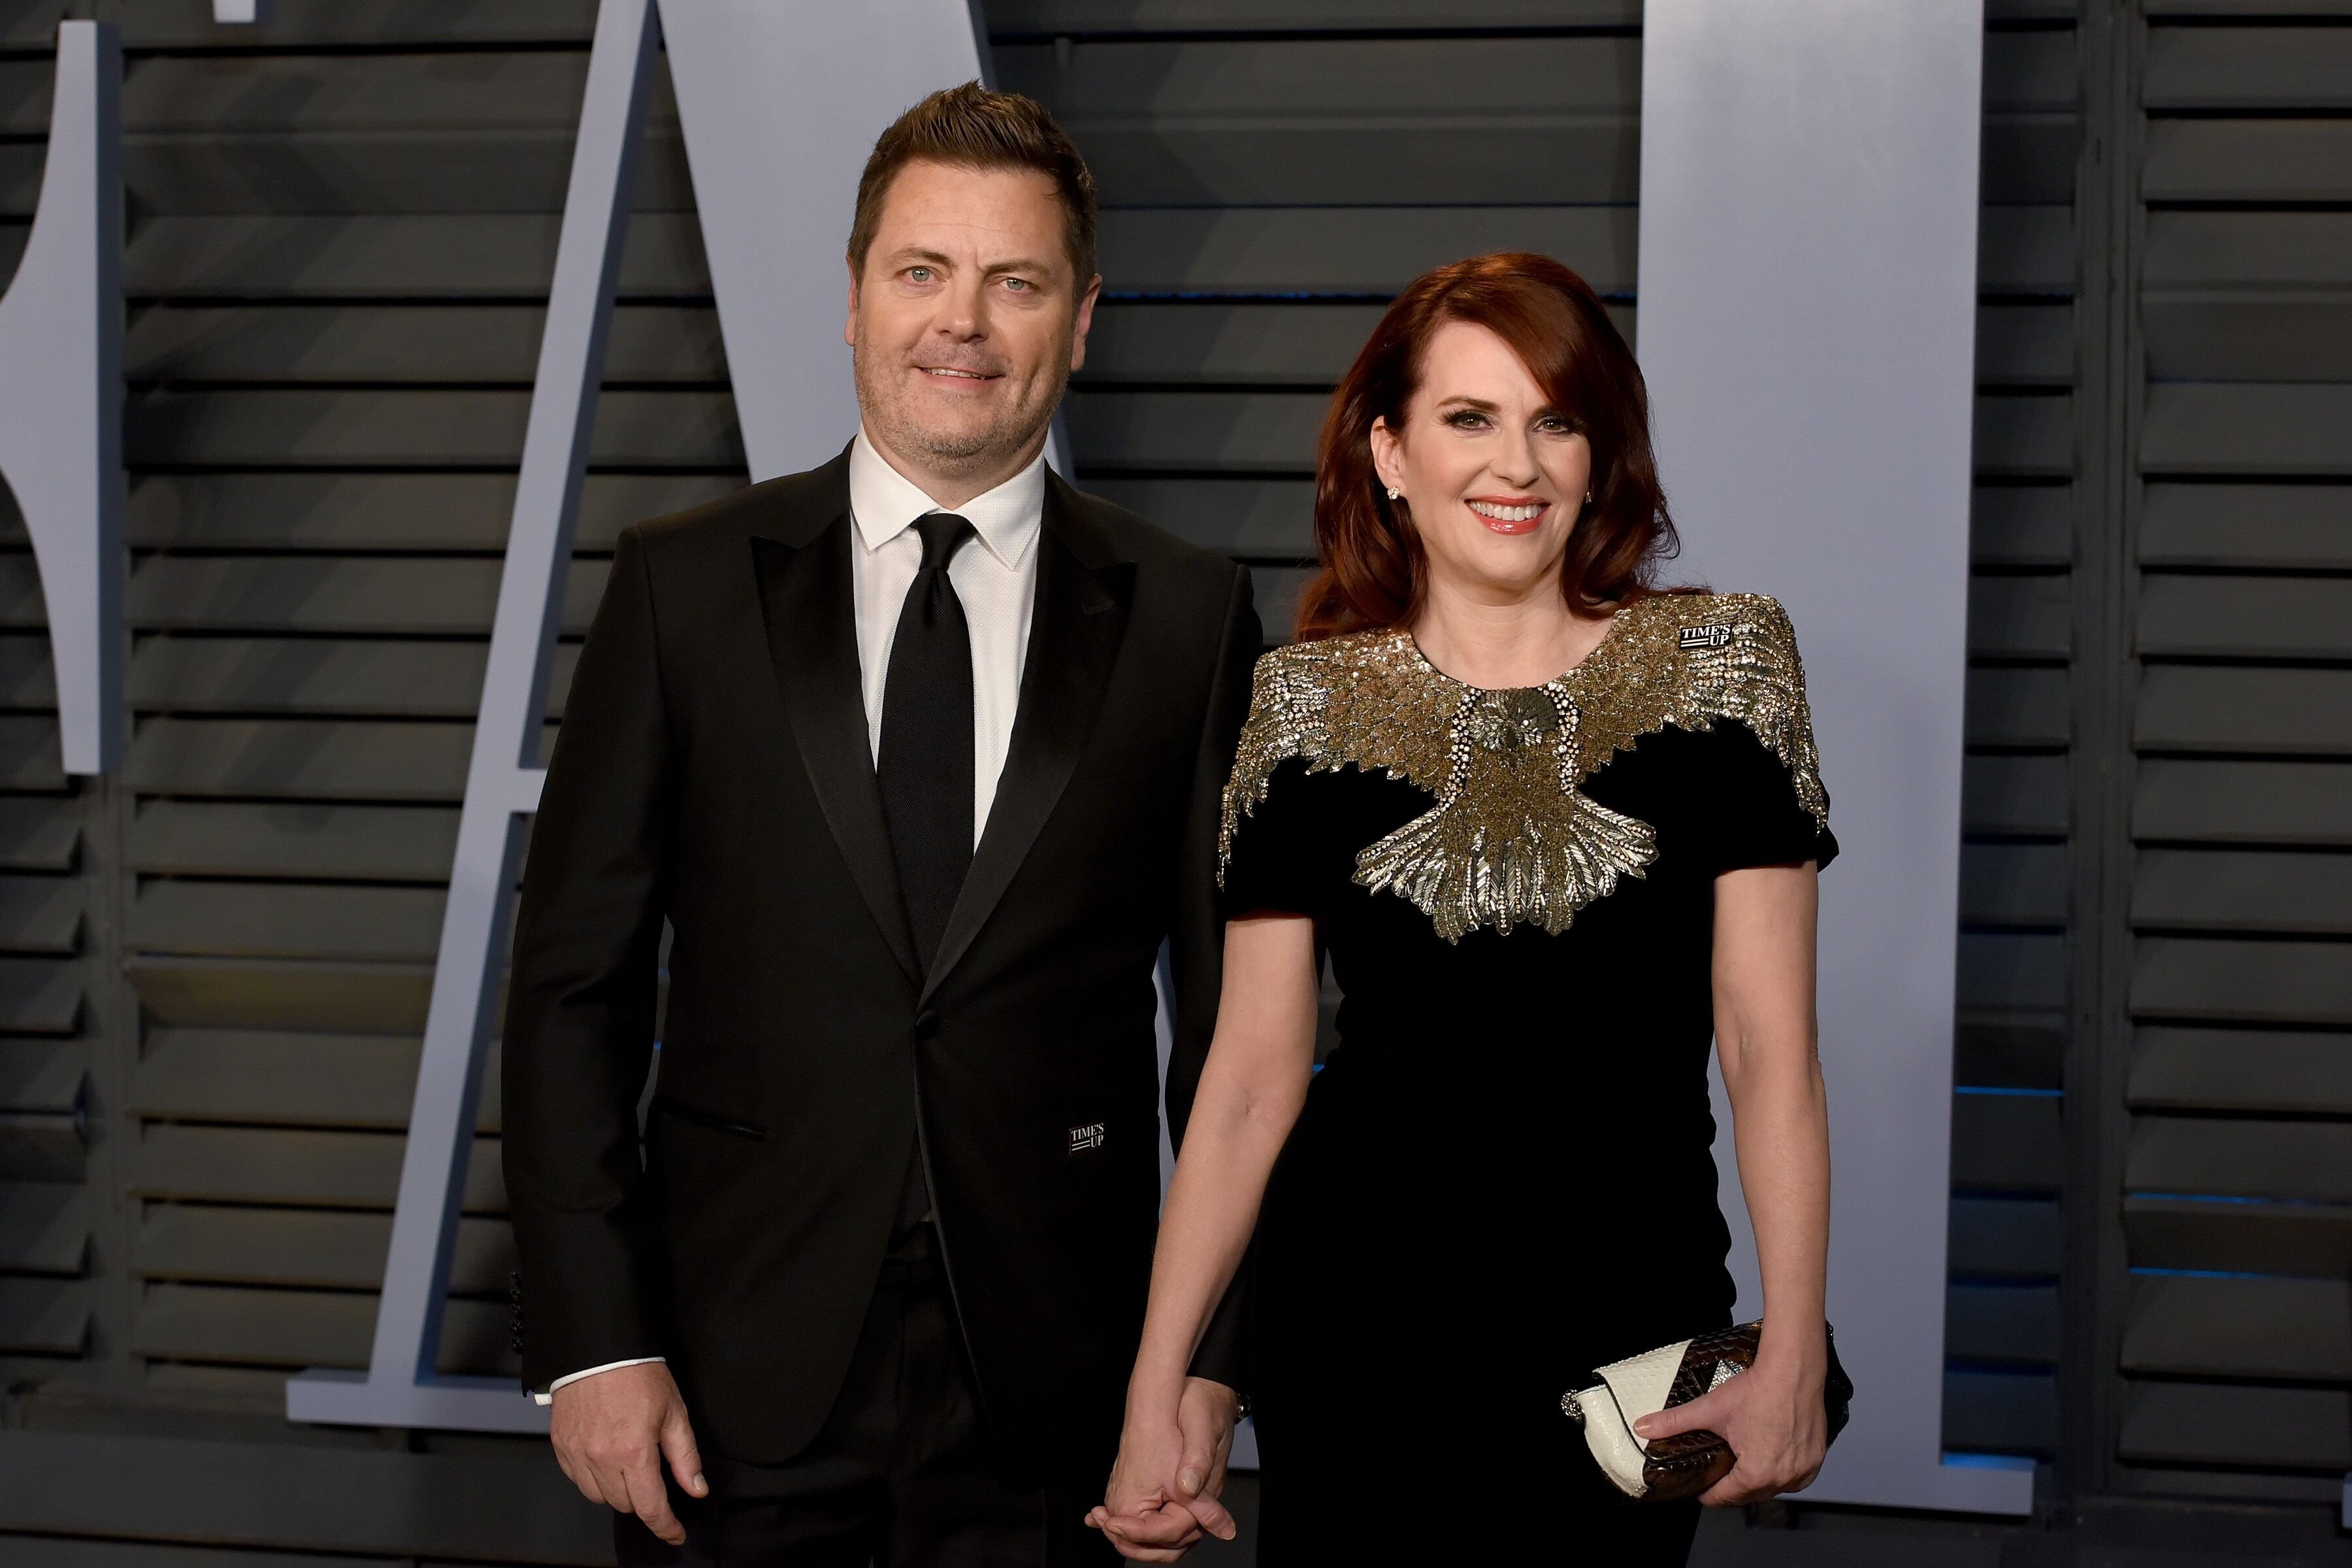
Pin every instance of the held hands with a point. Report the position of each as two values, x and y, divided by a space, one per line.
1771 1414
611 1431
1163 1492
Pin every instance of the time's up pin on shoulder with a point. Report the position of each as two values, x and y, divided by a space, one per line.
1691 639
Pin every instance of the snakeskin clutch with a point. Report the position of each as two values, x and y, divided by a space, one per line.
1684 1465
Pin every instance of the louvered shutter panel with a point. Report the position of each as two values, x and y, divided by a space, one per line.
2235 1349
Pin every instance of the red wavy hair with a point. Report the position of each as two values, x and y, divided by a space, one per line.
1373 567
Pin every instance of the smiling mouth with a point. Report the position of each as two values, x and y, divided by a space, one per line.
1496 511
948 372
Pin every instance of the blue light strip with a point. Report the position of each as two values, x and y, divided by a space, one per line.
2238 1198
1988 1462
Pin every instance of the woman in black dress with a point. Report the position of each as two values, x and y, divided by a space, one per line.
1556 830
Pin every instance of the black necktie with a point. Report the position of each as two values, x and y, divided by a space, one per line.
925 764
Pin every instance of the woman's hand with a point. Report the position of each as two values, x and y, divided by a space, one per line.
1772 1415
1164 1490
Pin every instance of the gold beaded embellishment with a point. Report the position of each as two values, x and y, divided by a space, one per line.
1512 840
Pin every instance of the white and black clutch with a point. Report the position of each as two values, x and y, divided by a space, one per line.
1623 1391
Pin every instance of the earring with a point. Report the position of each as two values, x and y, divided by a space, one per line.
1588 498
1393 492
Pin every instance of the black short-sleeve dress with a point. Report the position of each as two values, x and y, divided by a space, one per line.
1502 1178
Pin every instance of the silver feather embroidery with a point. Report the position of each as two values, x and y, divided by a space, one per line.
1512 839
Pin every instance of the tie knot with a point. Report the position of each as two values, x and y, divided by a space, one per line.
943 534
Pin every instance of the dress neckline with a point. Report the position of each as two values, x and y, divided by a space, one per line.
1412 646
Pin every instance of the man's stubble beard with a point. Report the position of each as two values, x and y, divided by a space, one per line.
882 404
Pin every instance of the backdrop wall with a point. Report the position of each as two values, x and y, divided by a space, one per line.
1809 227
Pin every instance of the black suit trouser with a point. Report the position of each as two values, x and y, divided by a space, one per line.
900 1476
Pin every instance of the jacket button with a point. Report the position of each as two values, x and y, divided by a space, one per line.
926 1025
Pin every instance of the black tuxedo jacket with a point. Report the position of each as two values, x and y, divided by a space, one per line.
714 771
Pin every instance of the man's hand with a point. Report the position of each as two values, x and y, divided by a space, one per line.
1774 1419
612 1430
1163 1493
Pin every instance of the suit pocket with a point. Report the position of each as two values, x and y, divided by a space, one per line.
750 1129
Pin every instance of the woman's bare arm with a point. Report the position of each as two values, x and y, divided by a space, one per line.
1252 1090
1766 1041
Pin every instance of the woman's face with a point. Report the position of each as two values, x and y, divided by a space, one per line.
1493 475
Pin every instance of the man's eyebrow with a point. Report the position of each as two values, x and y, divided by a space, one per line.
1028 265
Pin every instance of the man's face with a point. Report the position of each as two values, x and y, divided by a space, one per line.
967 320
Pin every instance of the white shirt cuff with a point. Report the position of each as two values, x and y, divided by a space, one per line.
549 1397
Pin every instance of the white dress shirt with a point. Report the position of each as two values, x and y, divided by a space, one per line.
995 575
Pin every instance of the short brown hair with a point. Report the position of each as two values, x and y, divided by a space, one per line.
971 128
1375 571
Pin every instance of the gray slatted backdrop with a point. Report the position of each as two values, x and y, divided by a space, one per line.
2233 986
323 460
2001 1328
213 973
341 231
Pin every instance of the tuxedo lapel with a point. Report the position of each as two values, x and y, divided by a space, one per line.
1083 597
805 594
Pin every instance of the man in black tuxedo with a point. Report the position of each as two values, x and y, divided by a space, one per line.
917 755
